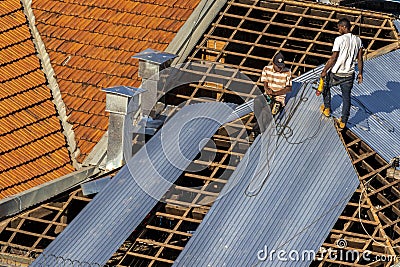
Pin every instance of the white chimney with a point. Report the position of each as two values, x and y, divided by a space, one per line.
124 105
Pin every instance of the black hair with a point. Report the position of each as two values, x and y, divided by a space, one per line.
345 22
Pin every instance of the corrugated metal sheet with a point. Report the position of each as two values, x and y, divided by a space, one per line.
241 111
105 223
375 111
93 187
397 24
285 196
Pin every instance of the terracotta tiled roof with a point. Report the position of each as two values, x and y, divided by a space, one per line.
90 44
33 149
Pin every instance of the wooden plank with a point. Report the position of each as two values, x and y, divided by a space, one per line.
29 233
43 221
200 212
357 220
363 157
314 42
168 230
385 219
149 257
205 178
390 204
159 244
369 175
356 141
166 215
353 234
384 50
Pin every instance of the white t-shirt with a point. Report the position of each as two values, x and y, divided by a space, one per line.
348 46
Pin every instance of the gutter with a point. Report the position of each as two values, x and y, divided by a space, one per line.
15 204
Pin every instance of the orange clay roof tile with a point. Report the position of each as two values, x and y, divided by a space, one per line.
12 20
21 84
8 7
9 37
91 43
29 127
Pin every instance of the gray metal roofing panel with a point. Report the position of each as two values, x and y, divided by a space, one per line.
375 111
241 111
307 185
105 223
95 186
397 24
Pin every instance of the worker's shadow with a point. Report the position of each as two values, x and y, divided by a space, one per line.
364 106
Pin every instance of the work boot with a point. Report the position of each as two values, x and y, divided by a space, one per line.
325 111
341 125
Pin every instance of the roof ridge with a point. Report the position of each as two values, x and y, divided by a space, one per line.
48 70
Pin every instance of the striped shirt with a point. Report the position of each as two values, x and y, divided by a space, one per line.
277 80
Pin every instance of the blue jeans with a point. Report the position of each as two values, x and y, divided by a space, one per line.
346 84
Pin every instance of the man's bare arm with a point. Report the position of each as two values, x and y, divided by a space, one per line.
285 90
267 90
360 65
329 64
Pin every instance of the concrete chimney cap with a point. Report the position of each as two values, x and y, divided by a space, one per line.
127 91
154 56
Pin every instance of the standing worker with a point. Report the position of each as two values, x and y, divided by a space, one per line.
277 79
340 69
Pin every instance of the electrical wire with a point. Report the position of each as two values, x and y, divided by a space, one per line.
285 125
281 127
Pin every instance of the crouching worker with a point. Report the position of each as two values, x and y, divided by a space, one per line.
277 79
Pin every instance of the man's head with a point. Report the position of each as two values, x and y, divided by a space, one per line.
344 26
279 62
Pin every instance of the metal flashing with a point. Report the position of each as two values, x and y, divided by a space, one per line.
154 56
19 202
127 91
95 186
